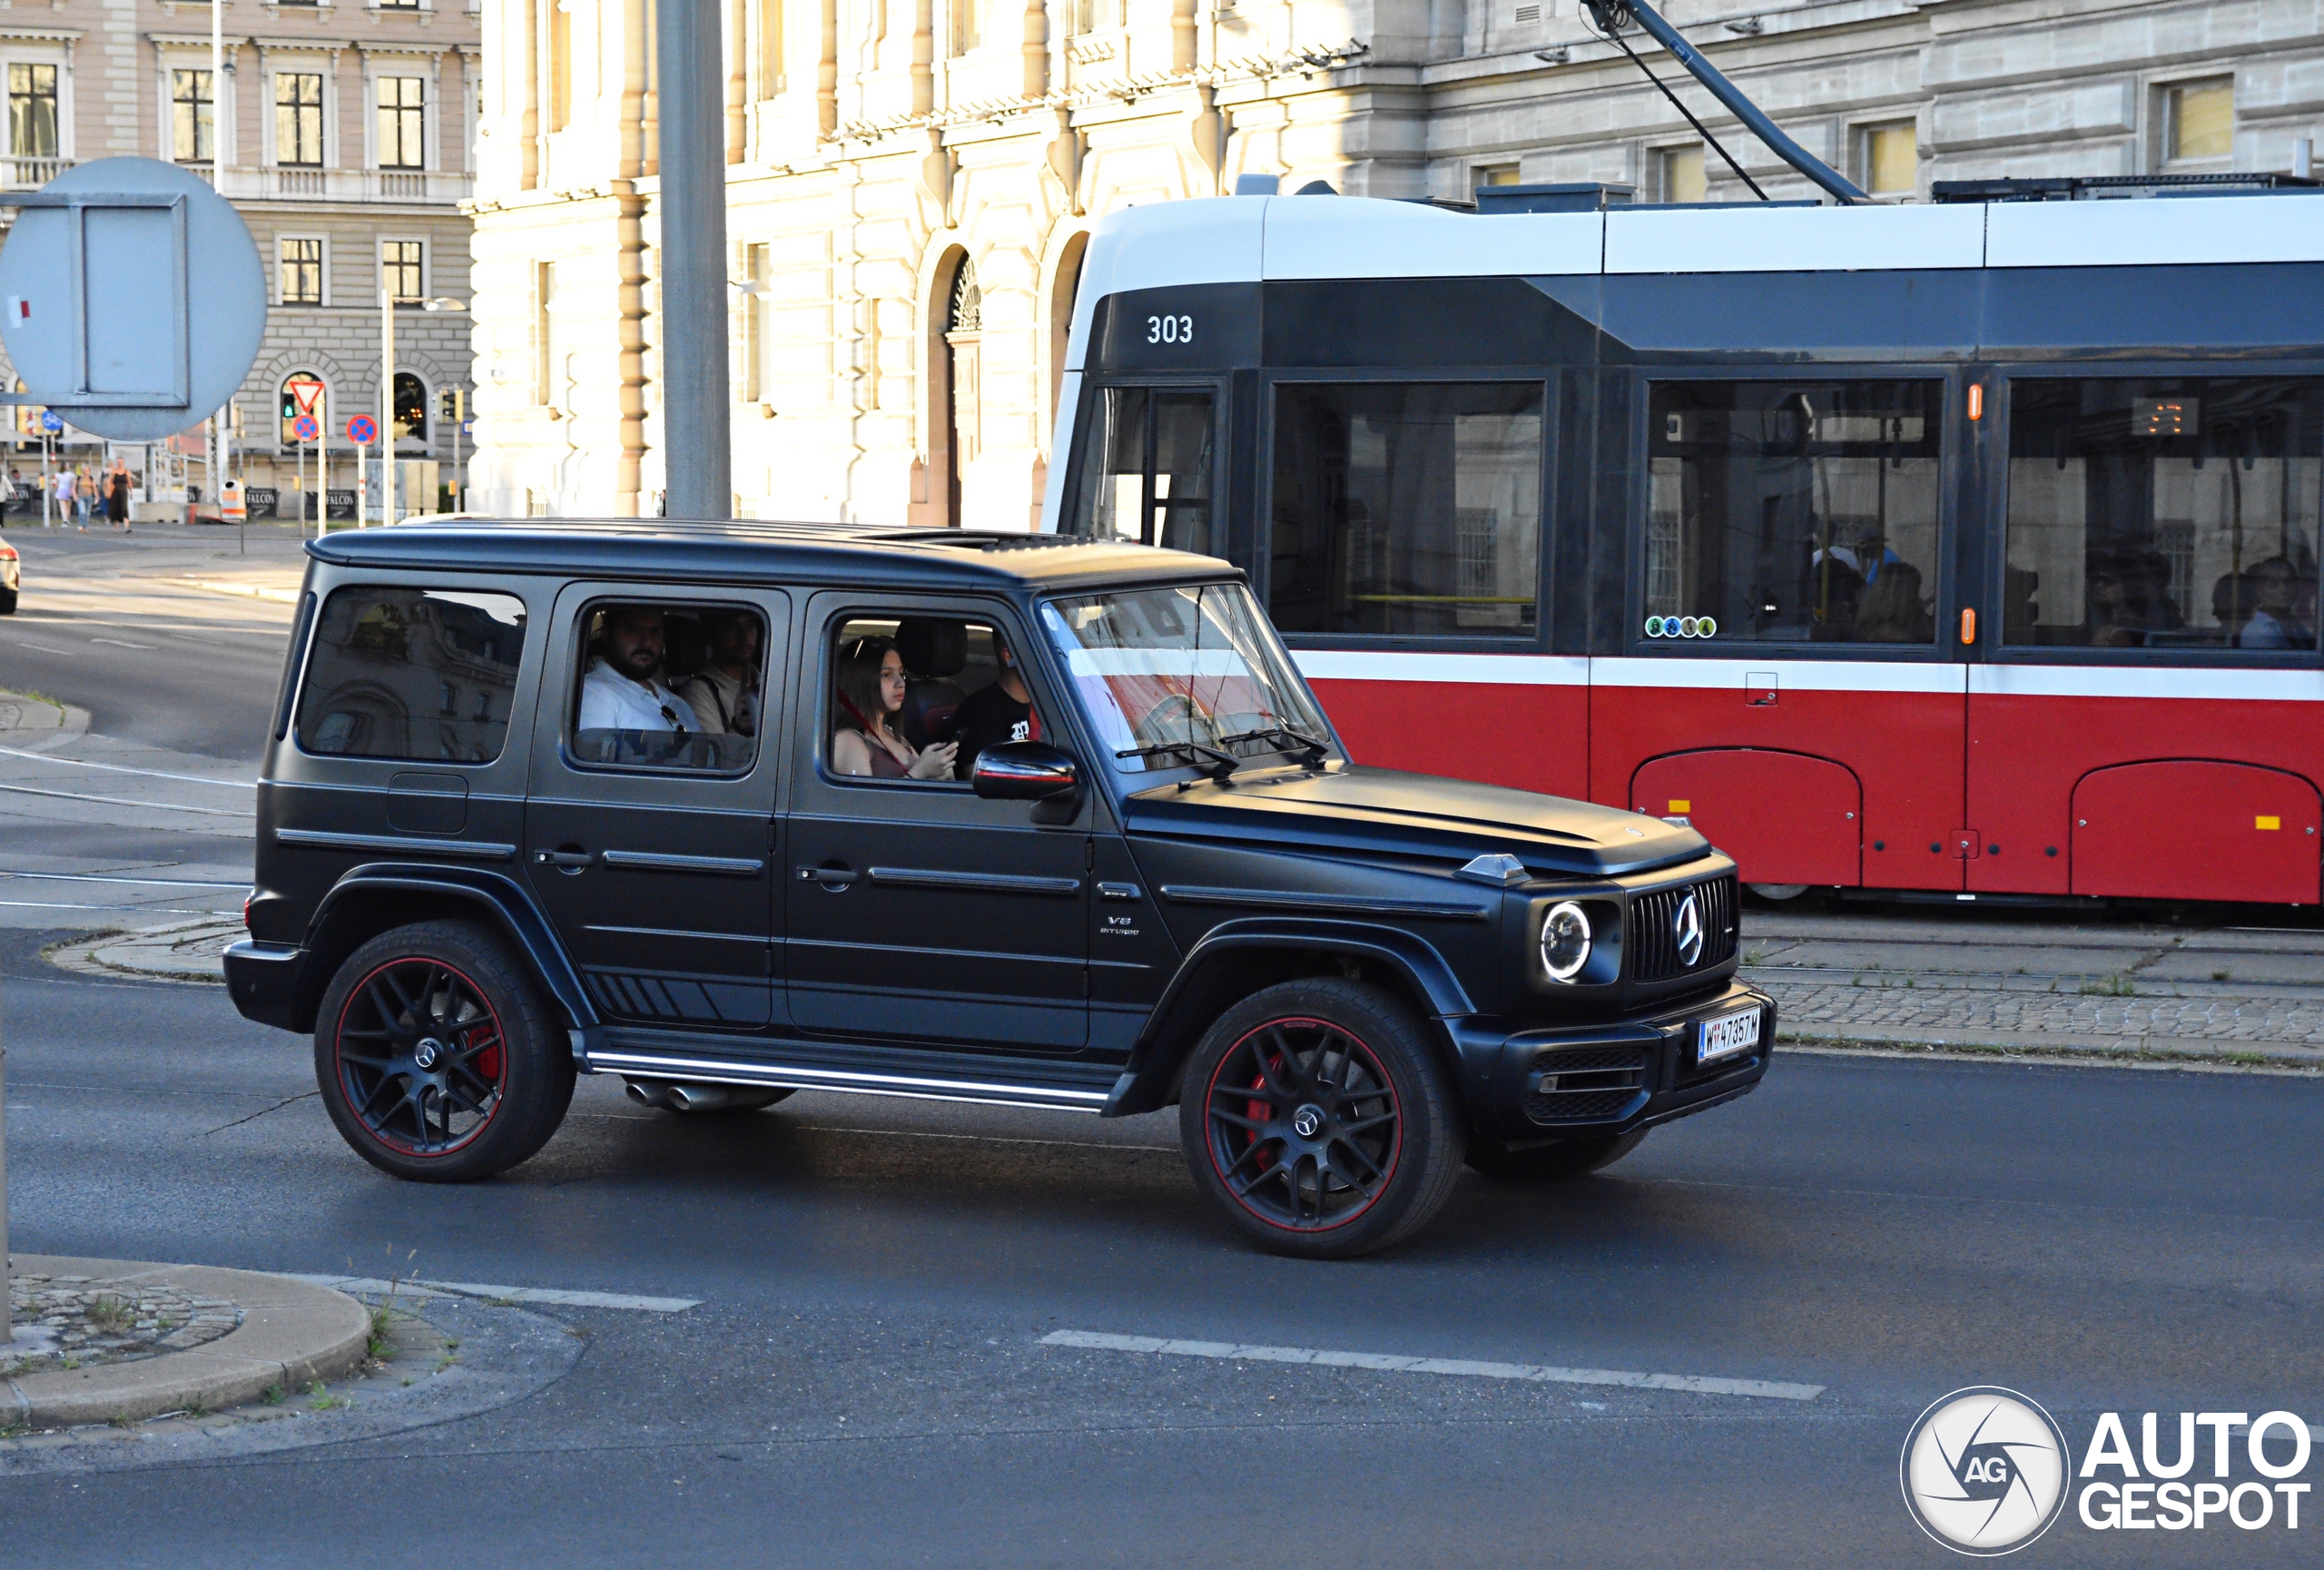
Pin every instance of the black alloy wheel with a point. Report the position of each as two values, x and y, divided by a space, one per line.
1317 1117
1559 1161
436 1058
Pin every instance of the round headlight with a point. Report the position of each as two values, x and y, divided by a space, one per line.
1565 942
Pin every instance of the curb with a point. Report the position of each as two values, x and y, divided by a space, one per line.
291 1332
191 952
23 717
2125 1053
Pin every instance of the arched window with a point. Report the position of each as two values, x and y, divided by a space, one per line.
302 393
963 378
411 407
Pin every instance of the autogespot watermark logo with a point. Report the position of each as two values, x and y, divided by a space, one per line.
1986 1471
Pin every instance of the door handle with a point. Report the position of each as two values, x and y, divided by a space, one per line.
830 877
564 861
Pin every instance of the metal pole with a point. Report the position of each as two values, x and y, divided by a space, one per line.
387 404
5 1327
692 93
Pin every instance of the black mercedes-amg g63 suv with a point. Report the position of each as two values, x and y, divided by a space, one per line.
733 810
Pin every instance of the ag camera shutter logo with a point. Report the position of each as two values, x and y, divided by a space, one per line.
1985 1471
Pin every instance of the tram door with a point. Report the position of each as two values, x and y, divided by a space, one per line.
1785 684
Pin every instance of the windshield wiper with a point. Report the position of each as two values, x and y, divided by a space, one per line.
1315 749
1217 764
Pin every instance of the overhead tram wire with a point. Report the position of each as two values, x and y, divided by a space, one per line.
1608 20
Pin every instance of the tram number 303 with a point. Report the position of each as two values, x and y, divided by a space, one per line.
1169 329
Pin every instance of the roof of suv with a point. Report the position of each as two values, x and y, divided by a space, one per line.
749 550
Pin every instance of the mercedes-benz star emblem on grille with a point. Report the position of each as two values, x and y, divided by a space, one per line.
1687 930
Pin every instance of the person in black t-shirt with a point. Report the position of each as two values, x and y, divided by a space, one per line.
1002 712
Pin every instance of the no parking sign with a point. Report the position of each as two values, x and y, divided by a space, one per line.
362 431
306 428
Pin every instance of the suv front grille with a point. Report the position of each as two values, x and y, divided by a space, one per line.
1654 946
1584 1084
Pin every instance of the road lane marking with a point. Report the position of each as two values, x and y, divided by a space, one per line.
124 768
123 802
42 648
102 878
1696 1384
117 643
570 1300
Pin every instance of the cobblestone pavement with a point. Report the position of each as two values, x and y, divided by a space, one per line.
78 1321
2069 982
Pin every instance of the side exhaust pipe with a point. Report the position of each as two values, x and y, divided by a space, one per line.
684 1096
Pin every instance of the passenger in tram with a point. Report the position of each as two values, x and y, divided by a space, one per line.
1892 610
2129 599
1834 587
2273 585
869 693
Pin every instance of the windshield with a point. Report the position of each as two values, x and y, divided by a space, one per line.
1197 667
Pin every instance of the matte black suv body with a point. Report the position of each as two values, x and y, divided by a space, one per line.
1339 973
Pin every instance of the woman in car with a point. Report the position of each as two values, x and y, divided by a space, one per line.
871 691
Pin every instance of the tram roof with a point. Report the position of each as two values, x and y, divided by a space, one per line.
1253 239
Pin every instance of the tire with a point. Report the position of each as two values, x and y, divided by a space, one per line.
497 1081
7 602
1551 1164
1384 1158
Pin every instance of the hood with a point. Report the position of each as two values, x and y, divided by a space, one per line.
1388 811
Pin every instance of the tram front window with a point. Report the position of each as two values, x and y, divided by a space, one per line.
1407 508
1792 512
2176 513
1146 468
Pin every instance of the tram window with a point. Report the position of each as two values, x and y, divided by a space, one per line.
1792 511
1410 508
1146 462
2164 514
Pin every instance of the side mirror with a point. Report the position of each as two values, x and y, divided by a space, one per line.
1026 770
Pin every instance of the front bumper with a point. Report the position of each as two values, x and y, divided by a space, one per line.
263 981
1609 1076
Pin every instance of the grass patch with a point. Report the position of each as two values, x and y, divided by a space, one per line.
111 1314
122 1420
2117 985
324 1401
272 1395
2221 975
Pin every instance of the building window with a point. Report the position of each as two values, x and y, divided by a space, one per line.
1487 174
1889 156
401 273
968 30
32 110
193 117
2200 120
299 265
299 119
1679 174
411 407
402 126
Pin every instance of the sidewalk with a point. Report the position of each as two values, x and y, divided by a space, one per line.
116 1341
2061 985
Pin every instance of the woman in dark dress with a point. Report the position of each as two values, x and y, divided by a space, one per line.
117 497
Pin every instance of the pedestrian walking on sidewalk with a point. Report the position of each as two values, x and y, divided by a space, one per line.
117 497
64 494
85 491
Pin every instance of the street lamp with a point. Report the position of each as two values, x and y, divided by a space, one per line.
388 389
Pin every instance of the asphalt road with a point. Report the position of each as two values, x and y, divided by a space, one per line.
863 1382
113 623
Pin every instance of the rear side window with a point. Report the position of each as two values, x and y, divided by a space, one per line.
412 673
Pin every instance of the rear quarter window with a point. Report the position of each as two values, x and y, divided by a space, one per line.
412 674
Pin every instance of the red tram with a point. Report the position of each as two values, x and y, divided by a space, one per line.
1969 547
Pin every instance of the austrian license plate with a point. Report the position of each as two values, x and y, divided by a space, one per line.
1728 1036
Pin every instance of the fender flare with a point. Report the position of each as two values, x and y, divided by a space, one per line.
1176 1022
509 904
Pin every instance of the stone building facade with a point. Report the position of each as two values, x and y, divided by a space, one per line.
349 127
911 183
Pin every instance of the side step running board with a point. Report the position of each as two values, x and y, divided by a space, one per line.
917 1086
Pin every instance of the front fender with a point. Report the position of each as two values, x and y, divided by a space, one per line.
1206 984
370 899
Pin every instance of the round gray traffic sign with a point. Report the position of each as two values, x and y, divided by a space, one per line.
131 300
